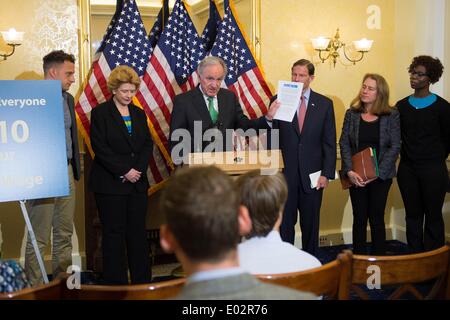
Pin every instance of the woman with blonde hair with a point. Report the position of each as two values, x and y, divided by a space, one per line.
122 145
370 122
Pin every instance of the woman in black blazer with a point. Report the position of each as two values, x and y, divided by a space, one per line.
370 122
122 145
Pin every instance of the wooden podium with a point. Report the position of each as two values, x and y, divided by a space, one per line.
236 163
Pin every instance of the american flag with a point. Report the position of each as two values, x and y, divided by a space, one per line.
244 76
159 154
125 43
210 31
171 70
159 24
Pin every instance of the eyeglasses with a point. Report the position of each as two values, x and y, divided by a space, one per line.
417 74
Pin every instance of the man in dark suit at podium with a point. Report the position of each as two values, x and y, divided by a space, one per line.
308 145
209 106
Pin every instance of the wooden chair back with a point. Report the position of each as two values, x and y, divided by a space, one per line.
331 281
51 291
404 272
151 291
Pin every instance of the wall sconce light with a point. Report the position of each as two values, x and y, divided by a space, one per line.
13 39
331 47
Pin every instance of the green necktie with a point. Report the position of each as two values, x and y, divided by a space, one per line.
212 111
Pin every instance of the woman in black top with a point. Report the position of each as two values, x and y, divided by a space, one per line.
422 172
370 122
123 146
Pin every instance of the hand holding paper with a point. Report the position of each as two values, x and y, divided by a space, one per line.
315 176
273 108
289 94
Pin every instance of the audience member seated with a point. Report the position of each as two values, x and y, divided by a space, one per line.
204 223
264 252
12 277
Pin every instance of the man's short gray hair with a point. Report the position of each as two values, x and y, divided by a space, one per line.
212 61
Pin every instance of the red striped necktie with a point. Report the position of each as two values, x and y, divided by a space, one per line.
301 113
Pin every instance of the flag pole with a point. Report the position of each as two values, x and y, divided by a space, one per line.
165 12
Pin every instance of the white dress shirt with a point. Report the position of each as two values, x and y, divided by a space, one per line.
271 255
215 101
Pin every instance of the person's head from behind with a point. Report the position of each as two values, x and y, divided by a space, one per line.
59 65
212 71
123 83
203 219
373 95
264 196
423 71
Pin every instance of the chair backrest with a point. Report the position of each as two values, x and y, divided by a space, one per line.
331 281
403 272
151 291
51 291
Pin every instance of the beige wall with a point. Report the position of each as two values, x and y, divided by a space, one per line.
427 33
405 45
48 25
286 34
286 29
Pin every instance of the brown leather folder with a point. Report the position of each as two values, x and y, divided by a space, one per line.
365 164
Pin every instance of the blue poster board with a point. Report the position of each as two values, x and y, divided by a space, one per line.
33 160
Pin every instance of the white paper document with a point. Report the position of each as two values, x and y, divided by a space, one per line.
289 94
314 177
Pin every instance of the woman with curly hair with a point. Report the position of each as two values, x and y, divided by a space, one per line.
422 173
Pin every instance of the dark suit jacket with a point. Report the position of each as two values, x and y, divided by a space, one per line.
312 150
190 106
74 134
116 152
389 142
239 287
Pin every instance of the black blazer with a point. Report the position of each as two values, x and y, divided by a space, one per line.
76 167
389 142
191 106
116 152
312 150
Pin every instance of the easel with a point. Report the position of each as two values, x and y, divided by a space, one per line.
33 240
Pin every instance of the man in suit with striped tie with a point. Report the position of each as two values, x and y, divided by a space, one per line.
308 145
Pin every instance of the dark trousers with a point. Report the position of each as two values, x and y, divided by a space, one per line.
124 238
423 191
308 205
369 203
